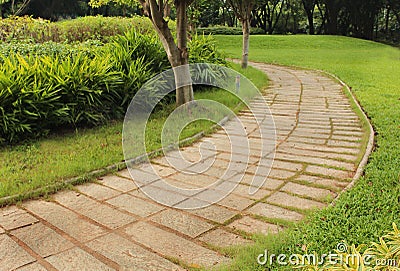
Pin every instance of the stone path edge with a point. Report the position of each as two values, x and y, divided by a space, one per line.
370 144
365 120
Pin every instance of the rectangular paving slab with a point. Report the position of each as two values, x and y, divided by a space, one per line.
182 222
171 245
43 240
12 255
65 220
130 256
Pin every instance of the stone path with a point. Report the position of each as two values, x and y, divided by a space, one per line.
111 225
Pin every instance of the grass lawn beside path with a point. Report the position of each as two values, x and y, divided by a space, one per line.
52 160
364 213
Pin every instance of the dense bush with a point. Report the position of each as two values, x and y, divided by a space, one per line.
43 87
49 48
42 93
224 30
81 29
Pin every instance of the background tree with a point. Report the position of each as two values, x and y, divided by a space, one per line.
242 10
177 52
268 14
309 7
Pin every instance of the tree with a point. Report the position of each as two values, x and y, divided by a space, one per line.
16 8
242 10
268 14
309 6
177 52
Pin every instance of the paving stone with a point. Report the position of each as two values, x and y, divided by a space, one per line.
215 213
269 183
223 238
286 165
171 245
118 183
334 173
97 191
352 138
316 160
12 255
13 217
76 259
307 191
306 140
163 171
2 231
135 206
341 143
194 181
324 182
321 148
287 200
124 173
251 225
43 240
236 202
130 256
281 174
65 220
101 213
243 190
154 193
274 212
32 267
330 155
182 222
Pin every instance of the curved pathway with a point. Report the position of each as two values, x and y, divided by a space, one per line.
111 225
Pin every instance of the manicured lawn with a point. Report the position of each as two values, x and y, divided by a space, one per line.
365 212
50 161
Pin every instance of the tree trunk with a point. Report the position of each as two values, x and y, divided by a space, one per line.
311 23
387 18
309 9
246 42
177 53
184 91
332 11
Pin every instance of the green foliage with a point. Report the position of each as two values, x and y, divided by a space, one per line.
225 30
42 93
101 28
202 49
49 48
77 30
384 256
45 86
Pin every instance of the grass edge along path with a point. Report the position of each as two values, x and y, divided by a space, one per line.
365 212
78 174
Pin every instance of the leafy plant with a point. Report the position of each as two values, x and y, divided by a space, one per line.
384 256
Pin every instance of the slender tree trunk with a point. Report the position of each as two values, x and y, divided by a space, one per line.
177 53
387 17
184 91
246 42
311 24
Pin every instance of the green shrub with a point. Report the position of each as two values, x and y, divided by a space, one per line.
76 30
42 93
45 86
225 30
384 256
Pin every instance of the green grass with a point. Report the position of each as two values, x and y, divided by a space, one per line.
45 164
365 212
